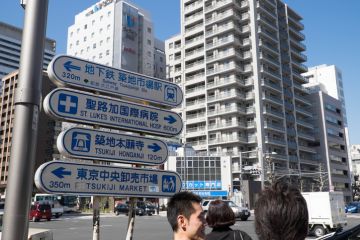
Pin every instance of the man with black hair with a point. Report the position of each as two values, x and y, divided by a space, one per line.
186 216
281 213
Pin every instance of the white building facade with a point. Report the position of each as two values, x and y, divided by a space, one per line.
118 34
239 64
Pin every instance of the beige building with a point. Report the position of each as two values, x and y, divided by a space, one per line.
48 128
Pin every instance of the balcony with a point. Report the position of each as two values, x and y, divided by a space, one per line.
195 118
194 6
299 77
197 78
223 68
276 127
220 29
226 81
271 61
271 85
222 55
198 145
269 35
272 99
194 53
222 42
193 41
303 99
191 30
273 113
227 140
221 16
226 96
306 135
301 67
298 45
266 23
193 18
304 123
305 148
217 5
195 104
195 131
271 73
195 91
268 47
301 57
226 125
190 67
226 110
298 35
266 10
275 141
304 111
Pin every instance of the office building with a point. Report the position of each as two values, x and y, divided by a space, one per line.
118 34
330 145
355 159
239 64
48 129
328 78
10 47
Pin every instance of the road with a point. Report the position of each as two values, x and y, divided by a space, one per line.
113 227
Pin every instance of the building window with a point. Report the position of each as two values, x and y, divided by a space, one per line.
94 45
77 42
107 52
88 49
71 34
101 42
85 26
85 39
161 69
101 18
108 27
149 42
171 45
100 30
92 35
70 45
109 13
100 55
108 39
149 30
149 53
78 30
161 59
82 51
93 22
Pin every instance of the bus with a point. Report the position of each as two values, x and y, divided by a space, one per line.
67 202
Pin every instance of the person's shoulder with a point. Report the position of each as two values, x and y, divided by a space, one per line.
244 235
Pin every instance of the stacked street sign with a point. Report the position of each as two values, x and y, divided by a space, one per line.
117 111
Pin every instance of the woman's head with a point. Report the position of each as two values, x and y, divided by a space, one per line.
220 214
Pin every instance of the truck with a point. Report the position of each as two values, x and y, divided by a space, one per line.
326 212
57 209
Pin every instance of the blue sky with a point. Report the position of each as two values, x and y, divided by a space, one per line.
331 28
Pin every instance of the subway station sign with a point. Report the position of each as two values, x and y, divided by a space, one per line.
89 179
83 107
70 71
93 144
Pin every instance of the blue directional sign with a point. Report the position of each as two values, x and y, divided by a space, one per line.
100 145
70 71
82 107
89 179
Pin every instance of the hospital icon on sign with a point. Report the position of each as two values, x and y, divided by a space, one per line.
67 103
168 183
80 142
170 94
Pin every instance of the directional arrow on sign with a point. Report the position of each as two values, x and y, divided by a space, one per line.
170 119
154 147
60 172
68 66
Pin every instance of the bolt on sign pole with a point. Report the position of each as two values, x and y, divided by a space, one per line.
27 103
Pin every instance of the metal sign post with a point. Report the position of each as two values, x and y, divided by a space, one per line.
27 102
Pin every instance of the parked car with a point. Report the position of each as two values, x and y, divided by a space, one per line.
350 234
124 209
148 208
40 211
240 212
353 207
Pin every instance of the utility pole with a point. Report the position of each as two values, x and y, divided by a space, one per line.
27 107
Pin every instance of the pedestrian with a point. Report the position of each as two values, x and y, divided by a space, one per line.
220 217
281 213
186 216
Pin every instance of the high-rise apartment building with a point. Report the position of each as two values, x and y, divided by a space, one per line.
118 34
48 129
240 64
330 144
10 46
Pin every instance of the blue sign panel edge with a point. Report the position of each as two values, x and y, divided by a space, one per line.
51 66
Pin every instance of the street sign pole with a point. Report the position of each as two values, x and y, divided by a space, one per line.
27 102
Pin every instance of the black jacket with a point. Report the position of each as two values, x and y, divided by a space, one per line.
226 233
